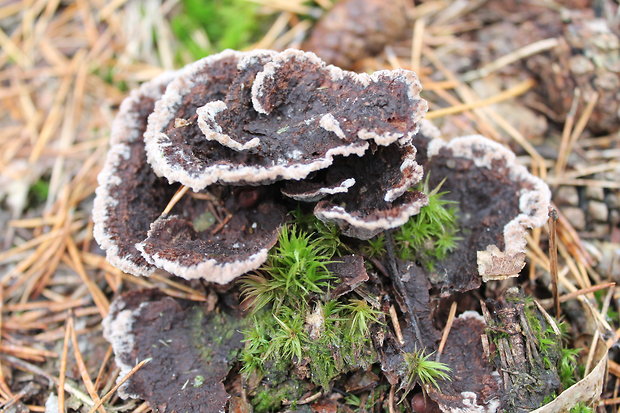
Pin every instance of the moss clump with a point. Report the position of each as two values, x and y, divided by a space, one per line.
270 399
555 353
430 235
420 370
223 24
38 192
581 408
295 323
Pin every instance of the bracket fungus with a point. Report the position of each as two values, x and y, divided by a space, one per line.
282 122
498 201
259 134
130 196
146 324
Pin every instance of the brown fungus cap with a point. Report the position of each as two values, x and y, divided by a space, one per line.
475 385
299 115
175 146
130 199
176 335
498 201
380 199
184 245
240 118
130 196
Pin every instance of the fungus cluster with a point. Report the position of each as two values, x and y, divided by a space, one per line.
254 133
250 133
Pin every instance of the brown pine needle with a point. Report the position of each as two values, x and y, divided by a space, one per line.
396 324
583 120
591 352
98 297
446 330
417 43
584 182
3 386
104 363
62 375
515 56
566 134
27 353
514 91
175 198
583 291
614 368
118 384
553 259
81 366
144 407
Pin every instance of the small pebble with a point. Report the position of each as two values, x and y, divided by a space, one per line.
598 211
576 217
566 195
595 192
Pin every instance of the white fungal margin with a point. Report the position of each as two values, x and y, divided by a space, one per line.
117 330
213 131
124 132
368 226
318 194
412 174
229 173
331 124
534 202
210 269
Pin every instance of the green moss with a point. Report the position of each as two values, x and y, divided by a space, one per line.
199 381
296 267
420 370
38 192
581 408
270 399
293 320
430 235
375 247
203 221
554 351
327 234
223 24
373 398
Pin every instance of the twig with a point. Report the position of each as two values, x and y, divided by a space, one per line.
310 399
553 259
118 384
514 91
396 324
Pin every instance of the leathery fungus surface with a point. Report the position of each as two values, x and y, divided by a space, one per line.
250 133
253 133
245 139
